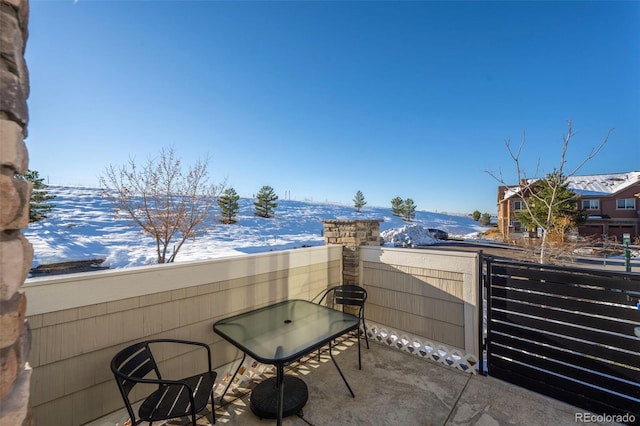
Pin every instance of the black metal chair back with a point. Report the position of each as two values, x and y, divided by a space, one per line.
136 364
133 362
348 295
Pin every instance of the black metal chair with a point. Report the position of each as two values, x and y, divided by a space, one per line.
347 295
173 398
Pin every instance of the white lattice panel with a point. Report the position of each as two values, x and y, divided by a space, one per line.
438 352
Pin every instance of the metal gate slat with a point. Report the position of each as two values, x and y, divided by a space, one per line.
548 384
585 306
566 333
610 324
571 373
588 348
568 329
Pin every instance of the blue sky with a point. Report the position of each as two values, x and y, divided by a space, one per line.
322 99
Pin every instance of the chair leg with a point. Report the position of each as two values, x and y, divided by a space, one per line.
359 357
213 408
366 338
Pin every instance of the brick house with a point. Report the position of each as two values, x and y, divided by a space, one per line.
611 201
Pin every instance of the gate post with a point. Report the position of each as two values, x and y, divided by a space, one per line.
351 234
482 282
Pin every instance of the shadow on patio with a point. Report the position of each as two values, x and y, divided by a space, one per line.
394 388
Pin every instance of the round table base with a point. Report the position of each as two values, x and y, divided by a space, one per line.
264 397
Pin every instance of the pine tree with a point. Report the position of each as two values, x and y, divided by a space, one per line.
528 188
229 207
39 206
485 219
397 206
358 201
553 205
265 202
409 210
476 215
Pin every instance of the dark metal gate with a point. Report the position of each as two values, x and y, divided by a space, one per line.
567 333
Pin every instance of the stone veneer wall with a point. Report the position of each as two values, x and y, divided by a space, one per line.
16 252
351 234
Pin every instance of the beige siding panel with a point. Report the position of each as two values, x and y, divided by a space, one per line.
205 305
428 293
438 331
36 340
85 403
441 310
35 321
154 298
170 317
47 383
55 413
188 311
208 288
101 361
60 317
79 373
178 294
151 320
88 335
49 346
132 324
123 305
111 398
404 283
415 280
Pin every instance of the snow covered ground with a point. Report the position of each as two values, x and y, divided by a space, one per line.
84 226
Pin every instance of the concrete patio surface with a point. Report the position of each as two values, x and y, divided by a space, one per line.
393 388
397 388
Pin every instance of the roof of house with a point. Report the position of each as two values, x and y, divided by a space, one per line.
602 185
594 185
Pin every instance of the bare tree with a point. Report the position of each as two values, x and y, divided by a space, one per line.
527 186
167 202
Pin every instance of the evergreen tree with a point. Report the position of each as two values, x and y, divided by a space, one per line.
485 219
229 207
397 206
265 202
476 215
553 205
409 210
358 201
529 186
39 204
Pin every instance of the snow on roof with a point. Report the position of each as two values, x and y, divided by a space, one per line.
593 185
602 185
510 192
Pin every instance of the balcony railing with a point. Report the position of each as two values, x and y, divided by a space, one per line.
420 302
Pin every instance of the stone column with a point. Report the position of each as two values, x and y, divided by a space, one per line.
16 253
352 234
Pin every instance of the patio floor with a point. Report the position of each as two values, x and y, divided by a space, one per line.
397 388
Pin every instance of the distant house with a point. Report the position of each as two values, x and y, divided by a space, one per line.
611 203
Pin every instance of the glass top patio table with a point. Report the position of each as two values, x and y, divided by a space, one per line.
281 333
